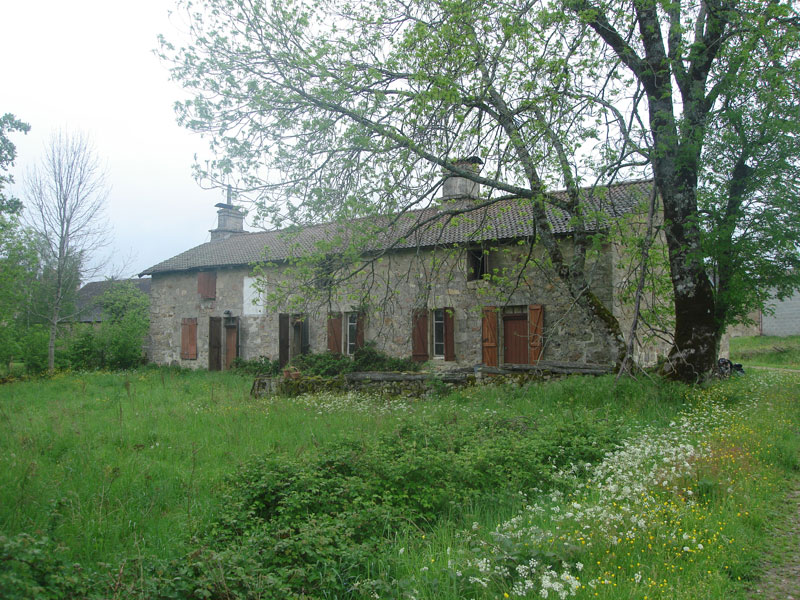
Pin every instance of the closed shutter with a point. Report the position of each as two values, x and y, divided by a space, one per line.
207 284
360 330
189 339
449 337
489 345
535 328
419 335
335 332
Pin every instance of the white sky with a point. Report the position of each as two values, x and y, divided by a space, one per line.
88 65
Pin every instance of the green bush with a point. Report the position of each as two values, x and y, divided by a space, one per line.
317 524
366 358
369 358
261 366
323 364
117 343
34 349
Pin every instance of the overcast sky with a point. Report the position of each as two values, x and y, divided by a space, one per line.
88 65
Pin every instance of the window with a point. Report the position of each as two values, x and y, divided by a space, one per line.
438 332
345 333
477 263
352 332
441 334
207 284
189 339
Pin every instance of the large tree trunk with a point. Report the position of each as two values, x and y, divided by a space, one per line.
693 355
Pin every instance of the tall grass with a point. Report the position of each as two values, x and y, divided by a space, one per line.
129 468
767 351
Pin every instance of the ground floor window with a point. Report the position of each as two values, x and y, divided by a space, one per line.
433 329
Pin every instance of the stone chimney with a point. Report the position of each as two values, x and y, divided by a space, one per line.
460 188
230 220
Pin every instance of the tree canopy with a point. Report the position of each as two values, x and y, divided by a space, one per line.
321 110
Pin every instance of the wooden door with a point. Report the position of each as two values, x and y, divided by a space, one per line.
489 344
515 339
231 340
215 344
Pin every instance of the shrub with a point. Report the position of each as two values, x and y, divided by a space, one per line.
366 358
117 343
369 358
323 364
261 366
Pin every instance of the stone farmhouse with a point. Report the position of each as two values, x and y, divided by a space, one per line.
458 291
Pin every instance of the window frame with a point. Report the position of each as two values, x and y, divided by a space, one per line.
438 333
351 333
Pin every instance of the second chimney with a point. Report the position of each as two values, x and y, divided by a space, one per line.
455 187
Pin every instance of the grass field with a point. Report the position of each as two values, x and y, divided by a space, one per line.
168 484
767 351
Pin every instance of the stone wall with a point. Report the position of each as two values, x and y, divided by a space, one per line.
390 290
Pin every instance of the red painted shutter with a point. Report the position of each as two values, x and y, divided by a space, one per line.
419 335
335 332
360 322
490 358
189 339
207 284
535 327
449 337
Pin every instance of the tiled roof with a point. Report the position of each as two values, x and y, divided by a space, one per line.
421 228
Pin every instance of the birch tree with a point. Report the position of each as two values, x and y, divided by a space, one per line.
65 195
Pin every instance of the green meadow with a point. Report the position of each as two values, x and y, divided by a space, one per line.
163 483
767 351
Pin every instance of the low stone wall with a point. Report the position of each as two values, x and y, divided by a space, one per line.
418 384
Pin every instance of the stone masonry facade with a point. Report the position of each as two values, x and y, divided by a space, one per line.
395 288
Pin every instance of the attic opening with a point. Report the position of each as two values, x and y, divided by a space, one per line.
477 263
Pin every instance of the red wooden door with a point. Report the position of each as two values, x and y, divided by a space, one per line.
515 339
231 341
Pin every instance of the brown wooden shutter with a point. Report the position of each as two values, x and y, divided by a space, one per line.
360 322
489 346
419 335
535 328
189 338
207 284
449 337
335 332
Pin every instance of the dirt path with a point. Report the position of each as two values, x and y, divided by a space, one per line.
781 578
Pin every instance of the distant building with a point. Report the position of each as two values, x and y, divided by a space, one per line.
88 302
